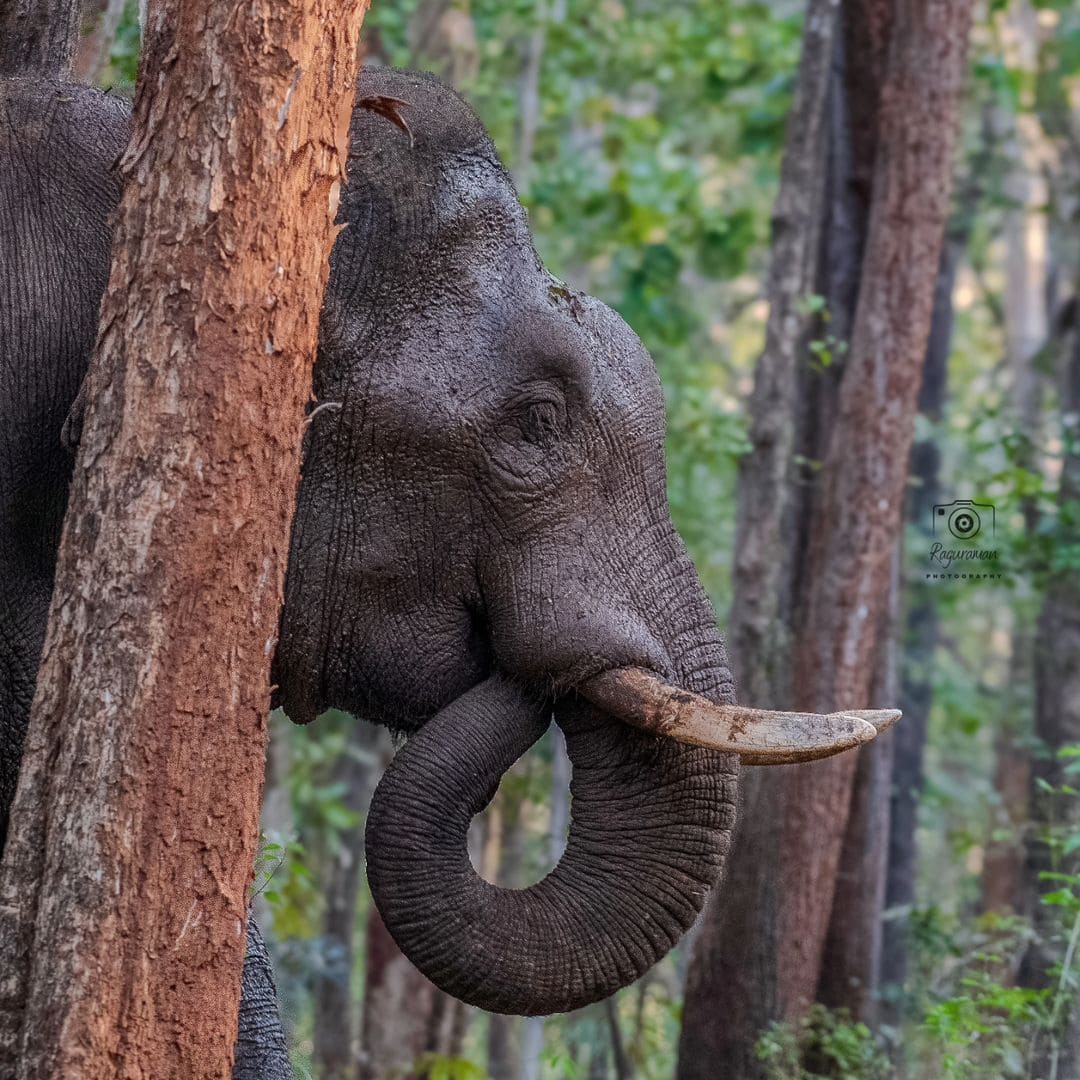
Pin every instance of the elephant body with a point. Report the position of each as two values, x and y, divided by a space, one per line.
481 529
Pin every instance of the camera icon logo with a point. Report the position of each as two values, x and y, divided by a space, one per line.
964 519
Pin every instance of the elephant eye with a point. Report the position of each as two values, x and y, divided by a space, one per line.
541 422
529 446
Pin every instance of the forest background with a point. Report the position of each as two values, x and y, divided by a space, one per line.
646 140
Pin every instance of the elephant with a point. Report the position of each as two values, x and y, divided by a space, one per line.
481 543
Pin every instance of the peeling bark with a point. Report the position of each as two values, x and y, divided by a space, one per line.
123 896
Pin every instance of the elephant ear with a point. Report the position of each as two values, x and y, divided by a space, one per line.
390 108
71 432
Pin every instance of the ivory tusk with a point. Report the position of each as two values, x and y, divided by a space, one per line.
758 736
880 719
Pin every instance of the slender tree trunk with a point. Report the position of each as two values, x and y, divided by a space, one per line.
405 1016
920 631
276 820
1057 725
623 1070
755 637
442 39
123 895
38 36
502 1052
356 771
851 964
532 1034
548 11
1057 642
1026 327
502 857
103 20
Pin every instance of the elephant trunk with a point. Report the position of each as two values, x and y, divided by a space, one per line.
650 825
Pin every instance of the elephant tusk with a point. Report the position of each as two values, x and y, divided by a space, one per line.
879 719
759 736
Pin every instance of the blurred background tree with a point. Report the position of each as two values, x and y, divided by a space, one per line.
646 139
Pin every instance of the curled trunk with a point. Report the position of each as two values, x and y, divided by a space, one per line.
649 831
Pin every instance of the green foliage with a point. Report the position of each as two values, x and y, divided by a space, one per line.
825 1045
984 1027
437 1067
966 1014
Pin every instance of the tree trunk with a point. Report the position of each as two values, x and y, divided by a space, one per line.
755 640
502 1051
123 895
405 1016
858 508
38 36
920 632
502 857
442 38
1026 327
623 1070
1057 725
532 1027
851 963
92 57
818 237
758 957
357 771
878 864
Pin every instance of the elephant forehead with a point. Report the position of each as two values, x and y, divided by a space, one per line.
481 234
475 349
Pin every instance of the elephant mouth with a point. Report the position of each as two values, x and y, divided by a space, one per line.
654 791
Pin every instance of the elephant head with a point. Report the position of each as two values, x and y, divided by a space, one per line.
482 541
